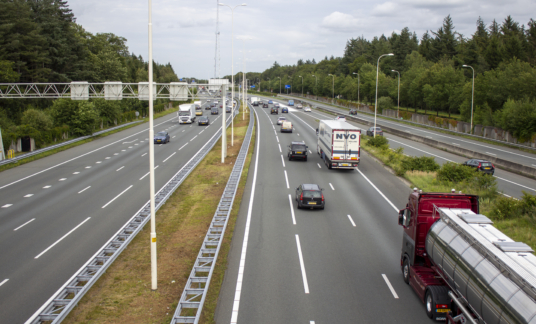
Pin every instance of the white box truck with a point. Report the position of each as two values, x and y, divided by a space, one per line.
339 144
186 113
255 101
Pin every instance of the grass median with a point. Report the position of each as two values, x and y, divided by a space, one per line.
123 294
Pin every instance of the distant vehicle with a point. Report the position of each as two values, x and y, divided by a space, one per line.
265 105
481 165
353 112
338 144
276 105
207 106
370 131
214 111
203 121
291 102
310 196
186 113
227 109
297 150
284 110
255 101
270 102
308 109
299 106
286 127
340 118
161 137
280 120
274 110
198 110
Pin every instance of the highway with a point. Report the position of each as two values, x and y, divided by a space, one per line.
56 212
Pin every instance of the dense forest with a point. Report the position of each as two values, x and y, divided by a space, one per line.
40 41
432 76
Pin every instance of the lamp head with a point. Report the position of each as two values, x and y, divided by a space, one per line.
390 54
244 4
330 74
465 65
394 71
313 75
221 4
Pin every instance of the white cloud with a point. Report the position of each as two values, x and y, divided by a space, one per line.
386 9
340 22
310 45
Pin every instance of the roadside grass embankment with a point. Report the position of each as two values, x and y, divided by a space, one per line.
123 294
514 217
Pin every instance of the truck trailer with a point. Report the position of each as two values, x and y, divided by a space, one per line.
186 113
463 268
254 101
338 144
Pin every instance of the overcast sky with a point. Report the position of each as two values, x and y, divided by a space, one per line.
280 30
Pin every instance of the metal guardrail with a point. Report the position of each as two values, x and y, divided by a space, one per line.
195 291
45 149
67 297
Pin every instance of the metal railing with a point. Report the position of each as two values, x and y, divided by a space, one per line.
67 297
195 291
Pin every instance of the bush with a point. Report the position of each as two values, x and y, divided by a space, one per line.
421 163
406 115
385 103
378 141
455 172
509 208
37 119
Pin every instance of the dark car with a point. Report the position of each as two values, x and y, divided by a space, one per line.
297 150
274 110
353 112
228 109
203 120
310 196
370 131
264 105
207 106
214 111
255 103
481 165
161 137
284 110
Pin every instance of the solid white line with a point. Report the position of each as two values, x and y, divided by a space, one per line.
516 183
506 195
283 160
491 153
378 190
84 189
280 148
286 178
193 138
292 209
351 220
305 285
144 154
319 166
3 282
169 156
389 285
64 236
392 140
28 222
120 168
46 187
117 196
28 195
7 205
331 186
238 290
183 146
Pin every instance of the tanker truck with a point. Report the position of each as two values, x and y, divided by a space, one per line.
461 267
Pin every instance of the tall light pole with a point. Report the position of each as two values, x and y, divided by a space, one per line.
224 136
244 91
333 100
151 154
472 94
357 87
398 109
376 102
301 85
279 85
316 84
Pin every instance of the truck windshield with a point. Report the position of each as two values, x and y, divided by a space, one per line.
184 113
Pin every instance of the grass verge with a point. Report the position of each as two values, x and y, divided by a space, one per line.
66 147
123 294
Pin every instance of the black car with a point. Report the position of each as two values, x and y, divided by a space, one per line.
228 109
310 196
264 105
297 150
214 111
255 103
370 131
161 137
284 110
353 112
481 165
203 120
274 110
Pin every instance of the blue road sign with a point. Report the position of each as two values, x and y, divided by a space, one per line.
253 86
180 79
287 86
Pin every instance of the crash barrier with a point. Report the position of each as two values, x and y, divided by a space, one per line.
67 297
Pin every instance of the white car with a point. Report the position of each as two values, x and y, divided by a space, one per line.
299 106
340 118
280 120
307 109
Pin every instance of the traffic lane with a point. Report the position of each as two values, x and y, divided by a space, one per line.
508 153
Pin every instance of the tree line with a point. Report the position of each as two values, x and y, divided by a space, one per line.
40 41
432 73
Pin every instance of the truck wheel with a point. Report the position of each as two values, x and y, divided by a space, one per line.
405 270
436 295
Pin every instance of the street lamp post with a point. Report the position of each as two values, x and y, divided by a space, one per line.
333 100
151 156
376 102
472 94
357 87
301 85
224 137
398 109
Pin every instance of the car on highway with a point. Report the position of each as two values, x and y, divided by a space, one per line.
203 120
286 127
284 110
198 111
214 111
264 105
481 165
276 105
227 109
310 196
308 109
280 120
340 118
370 131
353 112
299 106
274 110
297 150
207 106
161 137
270 102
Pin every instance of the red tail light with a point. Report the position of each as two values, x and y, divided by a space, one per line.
301 196
442 306
322 197
493 165
479 165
